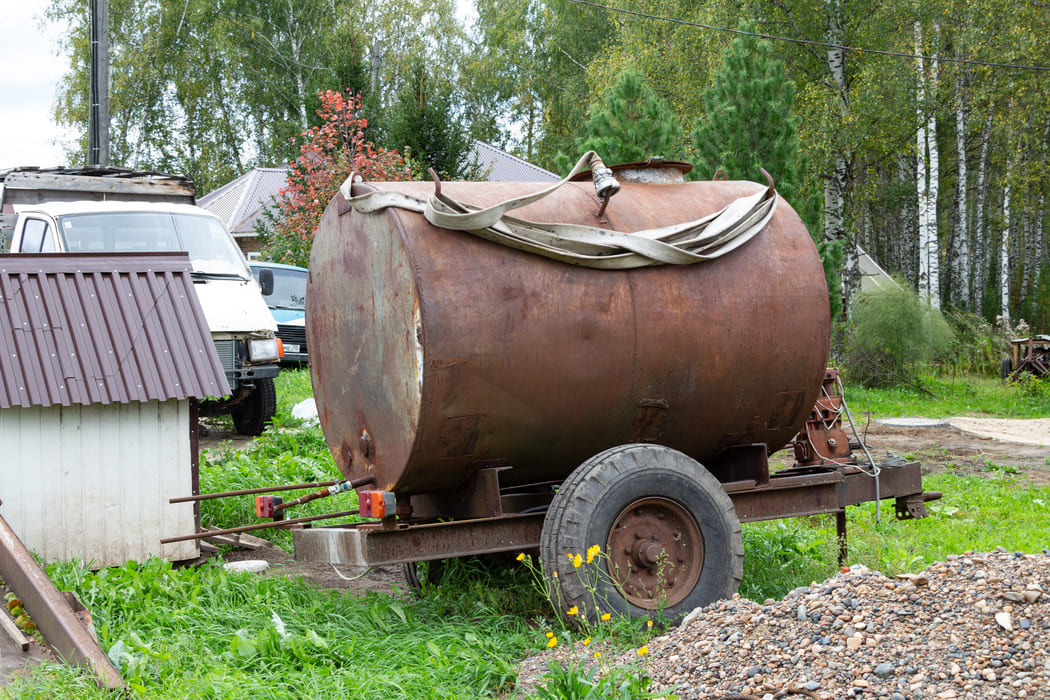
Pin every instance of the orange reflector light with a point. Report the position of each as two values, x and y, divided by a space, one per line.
376 504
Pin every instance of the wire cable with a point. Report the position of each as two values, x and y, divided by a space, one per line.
820 44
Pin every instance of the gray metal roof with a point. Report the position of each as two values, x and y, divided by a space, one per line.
500 166
101 328
240 203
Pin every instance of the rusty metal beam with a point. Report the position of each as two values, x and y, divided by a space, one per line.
364 546
52 614
821 493
791 495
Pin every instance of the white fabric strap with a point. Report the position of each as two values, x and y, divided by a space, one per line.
704 239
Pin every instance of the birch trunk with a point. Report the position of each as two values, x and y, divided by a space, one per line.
1004 254
982 254
927 163
959 295
836 184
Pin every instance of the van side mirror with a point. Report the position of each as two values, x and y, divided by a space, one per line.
266 281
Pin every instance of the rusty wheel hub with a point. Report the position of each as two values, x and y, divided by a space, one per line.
656 552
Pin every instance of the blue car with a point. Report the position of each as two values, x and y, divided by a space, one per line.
284 289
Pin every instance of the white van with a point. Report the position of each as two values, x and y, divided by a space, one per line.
240 322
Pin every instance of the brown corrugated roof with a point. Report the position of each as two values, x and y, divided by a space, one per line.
103 328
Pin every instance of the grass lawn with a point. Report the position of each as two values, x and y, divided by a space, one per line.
204 632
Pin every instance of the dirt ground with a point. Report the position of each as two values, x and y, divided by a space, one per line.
969 445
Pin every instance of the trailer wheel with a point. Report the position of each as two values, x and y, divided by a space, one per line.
251 415
422 574
669 536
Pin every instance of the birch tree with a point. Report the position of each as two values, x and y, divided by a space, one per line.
927 174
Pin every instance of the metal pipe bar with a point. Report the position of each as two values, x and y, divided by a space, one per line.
270 489
258 526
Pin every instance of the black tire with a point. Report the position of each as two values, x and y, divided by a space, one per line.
1007 367
669 536
420 575
251 416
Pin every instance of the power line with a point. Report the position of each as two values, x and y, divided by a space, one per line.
807 42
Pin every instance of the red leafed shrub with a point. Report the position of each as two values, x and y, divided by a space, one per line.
328 154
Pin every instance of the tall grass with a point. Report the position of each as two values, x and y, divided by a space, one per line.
209 633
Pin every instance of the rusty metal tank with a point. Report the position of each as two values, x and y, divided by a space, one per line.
434 353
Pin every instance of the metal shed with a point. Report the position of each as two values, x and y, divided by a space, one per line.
102 359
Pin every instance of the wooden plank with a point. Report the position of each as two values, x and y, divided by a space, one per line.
11 628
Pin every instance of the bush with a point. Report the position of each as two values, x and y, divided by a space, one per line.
894 333
978 346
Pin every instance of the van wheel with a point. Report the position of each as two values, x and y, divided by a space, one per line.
251 416
668 539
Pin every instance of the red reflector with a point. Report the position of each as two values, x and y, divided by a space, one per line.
265 506
376 504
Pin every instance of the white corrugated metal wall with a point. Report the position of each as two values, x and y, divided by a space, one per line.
92 483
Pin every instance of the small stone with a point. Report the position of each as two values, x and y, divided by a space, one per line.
1031 596
884 670
1014 597
811 686
1005 621
854 643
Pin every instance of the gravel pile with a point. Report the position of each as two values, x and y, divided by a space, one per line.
974 626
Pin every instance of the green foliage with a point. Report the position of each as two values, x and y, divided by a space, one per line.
831 260
977 346
893 333
422 124
582 681
977 513
948 394
749 120
782 555
205 632
631 124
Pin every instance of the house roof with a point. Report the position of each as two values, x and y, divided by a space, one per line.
240 203
499 166
102 328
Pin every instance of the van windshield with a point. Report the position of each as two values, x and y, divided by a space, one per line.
211 249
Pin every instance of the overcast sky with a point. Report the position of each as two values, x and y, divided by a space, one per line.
30 69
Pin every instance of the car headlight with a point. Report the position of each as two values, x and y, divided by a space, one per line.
264 350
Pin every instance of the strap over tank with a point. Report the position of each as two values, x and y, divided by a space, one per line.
707 238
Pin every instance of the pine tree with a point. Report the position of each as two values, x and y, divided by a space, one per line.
630 125
748 120
422 124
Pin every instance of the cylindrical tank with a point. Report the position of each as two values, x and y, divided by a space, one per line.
434 353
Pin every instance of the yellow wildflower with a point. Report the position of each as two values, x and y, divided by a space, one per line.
593 551
586 641
521 557
606 617
549 635
597 654
576 560
649 624
552 642
572 611
642 651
